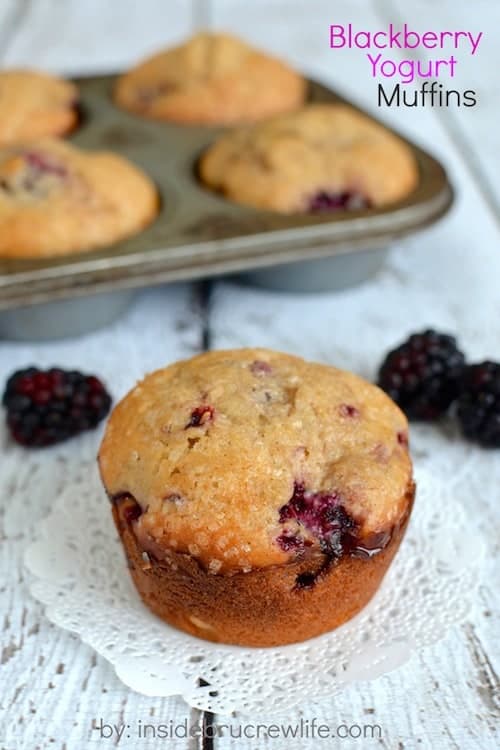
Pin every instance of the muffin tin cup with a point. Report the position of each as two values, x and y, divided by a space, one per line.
199 233
323 275
64 318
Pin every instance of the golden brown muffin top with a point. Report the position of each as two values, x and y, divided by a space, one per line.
57 199
300 161
211 79
246 458
34 105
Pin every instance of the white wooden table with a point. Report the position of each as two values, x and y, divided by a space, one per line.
52 687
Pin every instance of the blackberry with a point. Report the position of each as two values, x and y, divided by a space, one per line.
200 416
49 406
478 406
328 202
322 514
422 375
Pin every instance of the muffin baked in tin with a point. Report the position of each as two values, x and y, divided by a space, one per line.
34 105
323 158
56 199
212 79
260 498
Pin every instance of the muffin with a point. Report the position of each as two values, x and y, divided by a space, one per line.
34 105
260 498
56 199
326 157
211 79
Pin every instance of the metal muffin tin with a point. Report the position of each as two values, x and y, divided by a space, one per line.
199 233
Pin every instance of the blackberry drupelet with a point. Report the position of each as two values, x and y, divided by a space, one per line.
422 375
48 407
478 407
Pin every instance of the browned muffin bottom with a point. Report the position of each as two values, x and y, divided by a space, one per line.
271 606
260 498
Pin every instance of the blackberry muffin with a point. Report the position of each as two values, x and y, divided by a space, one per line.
260 498
34 105
56 199
210 79
323 158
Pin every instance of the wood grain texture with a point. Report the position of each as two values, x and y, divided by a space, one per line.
53 687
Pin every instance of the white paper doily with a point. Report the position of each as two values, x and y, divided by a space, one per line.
82 579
